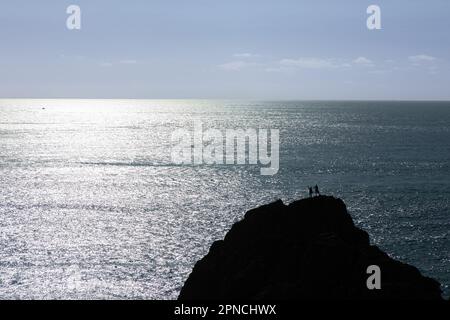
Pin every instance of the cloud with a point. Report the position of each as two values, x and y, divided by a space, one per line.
245 55
128 62
421 58
433 70
309 63
381 71
107 64
276 69
72 57
292 65
363 61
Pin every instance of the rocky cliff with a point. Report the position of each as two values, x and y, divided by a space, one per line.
309 249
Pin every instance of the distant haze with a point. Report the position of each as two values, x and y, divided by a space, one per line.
243 49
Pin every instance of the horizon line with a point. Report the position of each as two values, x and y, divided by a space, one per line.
242 99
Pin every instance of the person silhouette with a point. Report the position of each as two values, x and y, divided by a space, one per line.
310 192
316 190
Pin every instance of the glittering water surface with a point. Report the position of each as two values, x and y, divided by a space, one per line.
92 207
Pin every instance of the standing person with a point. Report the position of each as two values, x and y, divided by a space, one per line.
310 192
316 190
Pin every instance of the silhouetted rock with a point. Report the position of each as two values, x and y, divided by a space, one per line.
308 249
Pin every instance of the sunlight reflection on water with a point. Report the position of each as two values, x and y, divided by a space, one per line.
92 207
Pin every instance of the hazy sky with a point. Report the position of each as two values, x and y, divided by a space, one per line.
256 49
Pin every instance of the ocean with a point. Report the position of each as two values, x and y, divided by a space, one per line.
92 205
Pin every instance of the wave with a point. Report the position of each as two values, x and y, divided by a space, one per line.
129 164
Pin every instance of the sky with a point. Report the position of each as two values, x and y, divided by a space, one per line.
228 49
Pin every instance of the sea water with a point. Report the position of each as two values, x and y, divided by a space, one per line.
92 206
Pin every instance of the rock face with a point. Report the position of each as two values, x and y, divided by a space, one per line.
309 249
